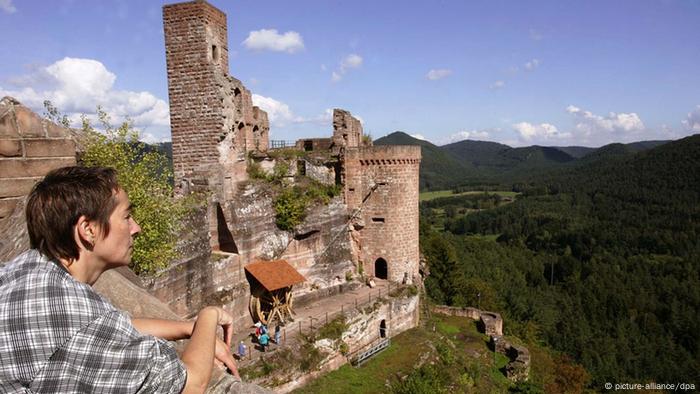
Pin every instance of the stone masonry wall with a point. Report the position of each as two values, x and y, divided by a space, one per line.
381 188
347 130
194 31
30 147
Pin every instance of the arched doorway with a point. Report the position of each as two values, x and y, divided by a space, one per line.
381 270
382 329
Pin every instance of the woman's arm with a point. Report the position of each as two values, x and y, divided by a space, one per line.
199 354
170 330
203 347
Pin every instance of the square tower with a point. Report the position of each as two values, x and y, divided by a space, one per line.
196 53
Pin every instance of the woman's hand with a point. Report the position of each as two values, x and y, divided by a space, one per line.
223 355
225 320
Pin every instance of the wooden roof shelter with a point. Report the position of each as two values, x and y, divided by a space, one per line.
271 290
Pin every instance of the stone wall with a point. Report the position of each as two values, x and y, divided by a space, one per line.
196 50
381 188
398 314
30 147
347 130
491 324
472 313
313 144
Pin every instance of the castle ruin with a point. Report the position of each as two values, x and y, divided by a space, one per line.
215 129
217 134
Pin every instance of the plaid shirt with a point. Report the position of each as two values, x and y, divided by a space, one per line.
58 335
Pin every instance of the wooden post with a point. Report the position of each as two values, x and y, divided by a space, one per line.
299 327
355 303
369 297
285 335
341 309
326 317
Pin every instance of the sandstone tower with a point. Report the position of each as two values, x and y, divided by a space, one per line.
209 110
213 121
381 187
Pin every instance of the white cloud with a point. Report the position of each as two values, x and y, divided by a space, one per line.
271 40
351 61
468 134
348 62
532 65
590 127
278 112
7 6
497 85
692 121
418 137
323 119
541 132
149 138
440 73
77 86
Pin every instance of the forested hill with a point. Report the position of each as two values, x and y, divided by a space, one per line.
483 164
438 168
601 261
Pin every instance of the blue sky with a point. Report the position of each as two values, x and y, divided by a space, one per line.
521 73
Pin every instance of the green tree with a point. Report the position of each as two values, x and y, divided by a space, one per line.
146 177
442 261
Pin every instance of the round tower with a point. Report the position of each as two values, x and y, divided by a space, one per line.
381 189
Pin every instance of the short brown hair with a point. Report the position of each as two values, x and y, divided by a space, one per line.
57 202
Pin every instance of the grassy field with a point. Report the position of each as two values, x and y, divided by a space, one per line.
426 196
473 367
404 352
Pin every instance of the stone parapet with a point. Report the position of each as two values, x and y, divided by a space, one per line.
30 147
385 152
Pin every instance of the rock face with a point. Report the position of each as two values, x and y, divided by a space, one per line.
223 383
319 248
321 172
